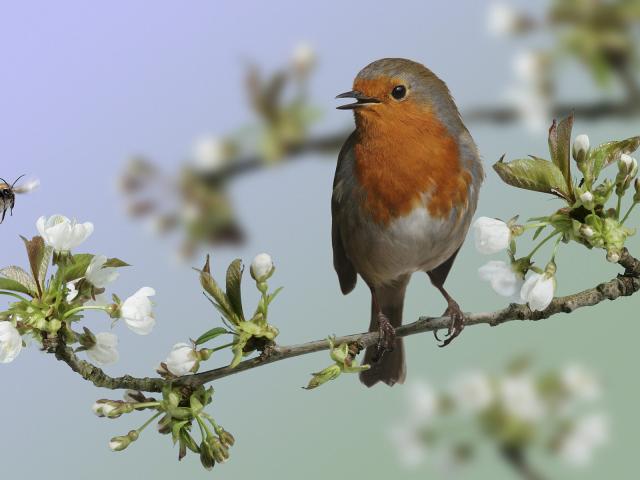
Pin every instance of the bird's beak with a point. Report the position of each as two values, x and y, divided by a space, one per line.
361 100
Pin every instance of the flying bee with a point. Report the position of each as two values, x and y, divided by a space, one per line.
8 194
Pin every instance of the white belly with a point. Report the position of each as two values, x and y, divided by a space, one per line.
415 242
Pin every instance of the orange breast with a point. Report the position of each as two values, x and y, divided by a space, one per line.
402 154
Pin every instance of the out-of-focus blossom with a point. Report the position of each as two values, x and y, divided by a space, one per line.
492 235
98 275
423 402
104 351
10 342
519 397
410 448
503 278
589 433
210 153
538 290
63 234
181 359
580 382
303 57
137 312
472 392
528 93
501 19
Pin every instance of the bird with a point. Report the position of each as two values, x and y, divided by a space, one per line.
405 190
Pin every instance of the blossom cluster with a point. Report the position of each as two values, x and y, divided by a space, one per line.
47 308
585 219
516 409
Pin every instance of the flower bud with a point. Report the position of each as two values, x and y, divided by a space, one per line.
613 256
587 200
206 455
225 437
625 163
220 452
586 231
262 267
580 147
118 444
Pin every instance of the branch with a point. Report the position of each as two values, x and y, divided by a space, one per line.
516 458
622 286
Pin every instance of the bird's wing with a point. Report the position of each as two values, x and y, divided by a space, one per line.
344 268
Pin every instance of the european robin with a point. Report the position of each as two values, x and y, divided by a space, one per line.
405 191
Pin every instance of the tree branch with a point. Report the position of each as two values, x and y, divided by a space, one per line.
623 285
333 141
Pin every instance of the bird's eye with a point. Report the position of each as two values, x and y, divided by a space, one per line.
399 92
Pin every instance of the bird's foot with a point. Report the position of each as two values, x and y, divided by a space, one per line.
387 338
457 323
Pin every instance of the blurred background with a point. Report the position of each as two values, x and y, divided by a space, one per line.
215 124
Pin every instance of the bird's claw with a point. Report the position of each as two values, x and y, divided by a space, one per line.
455 327
387 338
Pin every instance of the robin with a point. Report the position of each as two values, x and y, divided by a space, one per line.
404 193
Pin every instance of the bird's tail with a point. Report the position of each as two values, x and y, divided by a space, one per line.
391 369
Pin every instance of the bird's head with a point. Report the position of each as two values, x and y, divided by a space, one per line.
397 90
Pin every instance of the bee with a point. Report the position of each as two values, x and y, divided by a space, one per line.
8 194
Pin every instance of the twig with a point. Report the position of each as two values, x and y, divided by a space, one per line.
516 458
623 285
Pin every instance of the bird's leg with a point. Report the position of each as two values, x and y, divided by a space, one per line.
455 313
387 332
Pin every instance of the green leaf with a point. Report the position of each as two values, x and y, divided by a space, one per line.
234 278
35 252
12 285
539 231
210 335
116 263
610 152
272 296
560 148
211 287
77 267
533 174
17 274
44 266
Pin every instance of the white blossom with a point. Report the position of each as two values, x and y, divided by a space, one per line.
580 382
587 434
538 290
262 267
181 359
72 291
519 397
503 278
137 312
10 342
63 234
491 235
472 392
98 275
501 19
104 351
